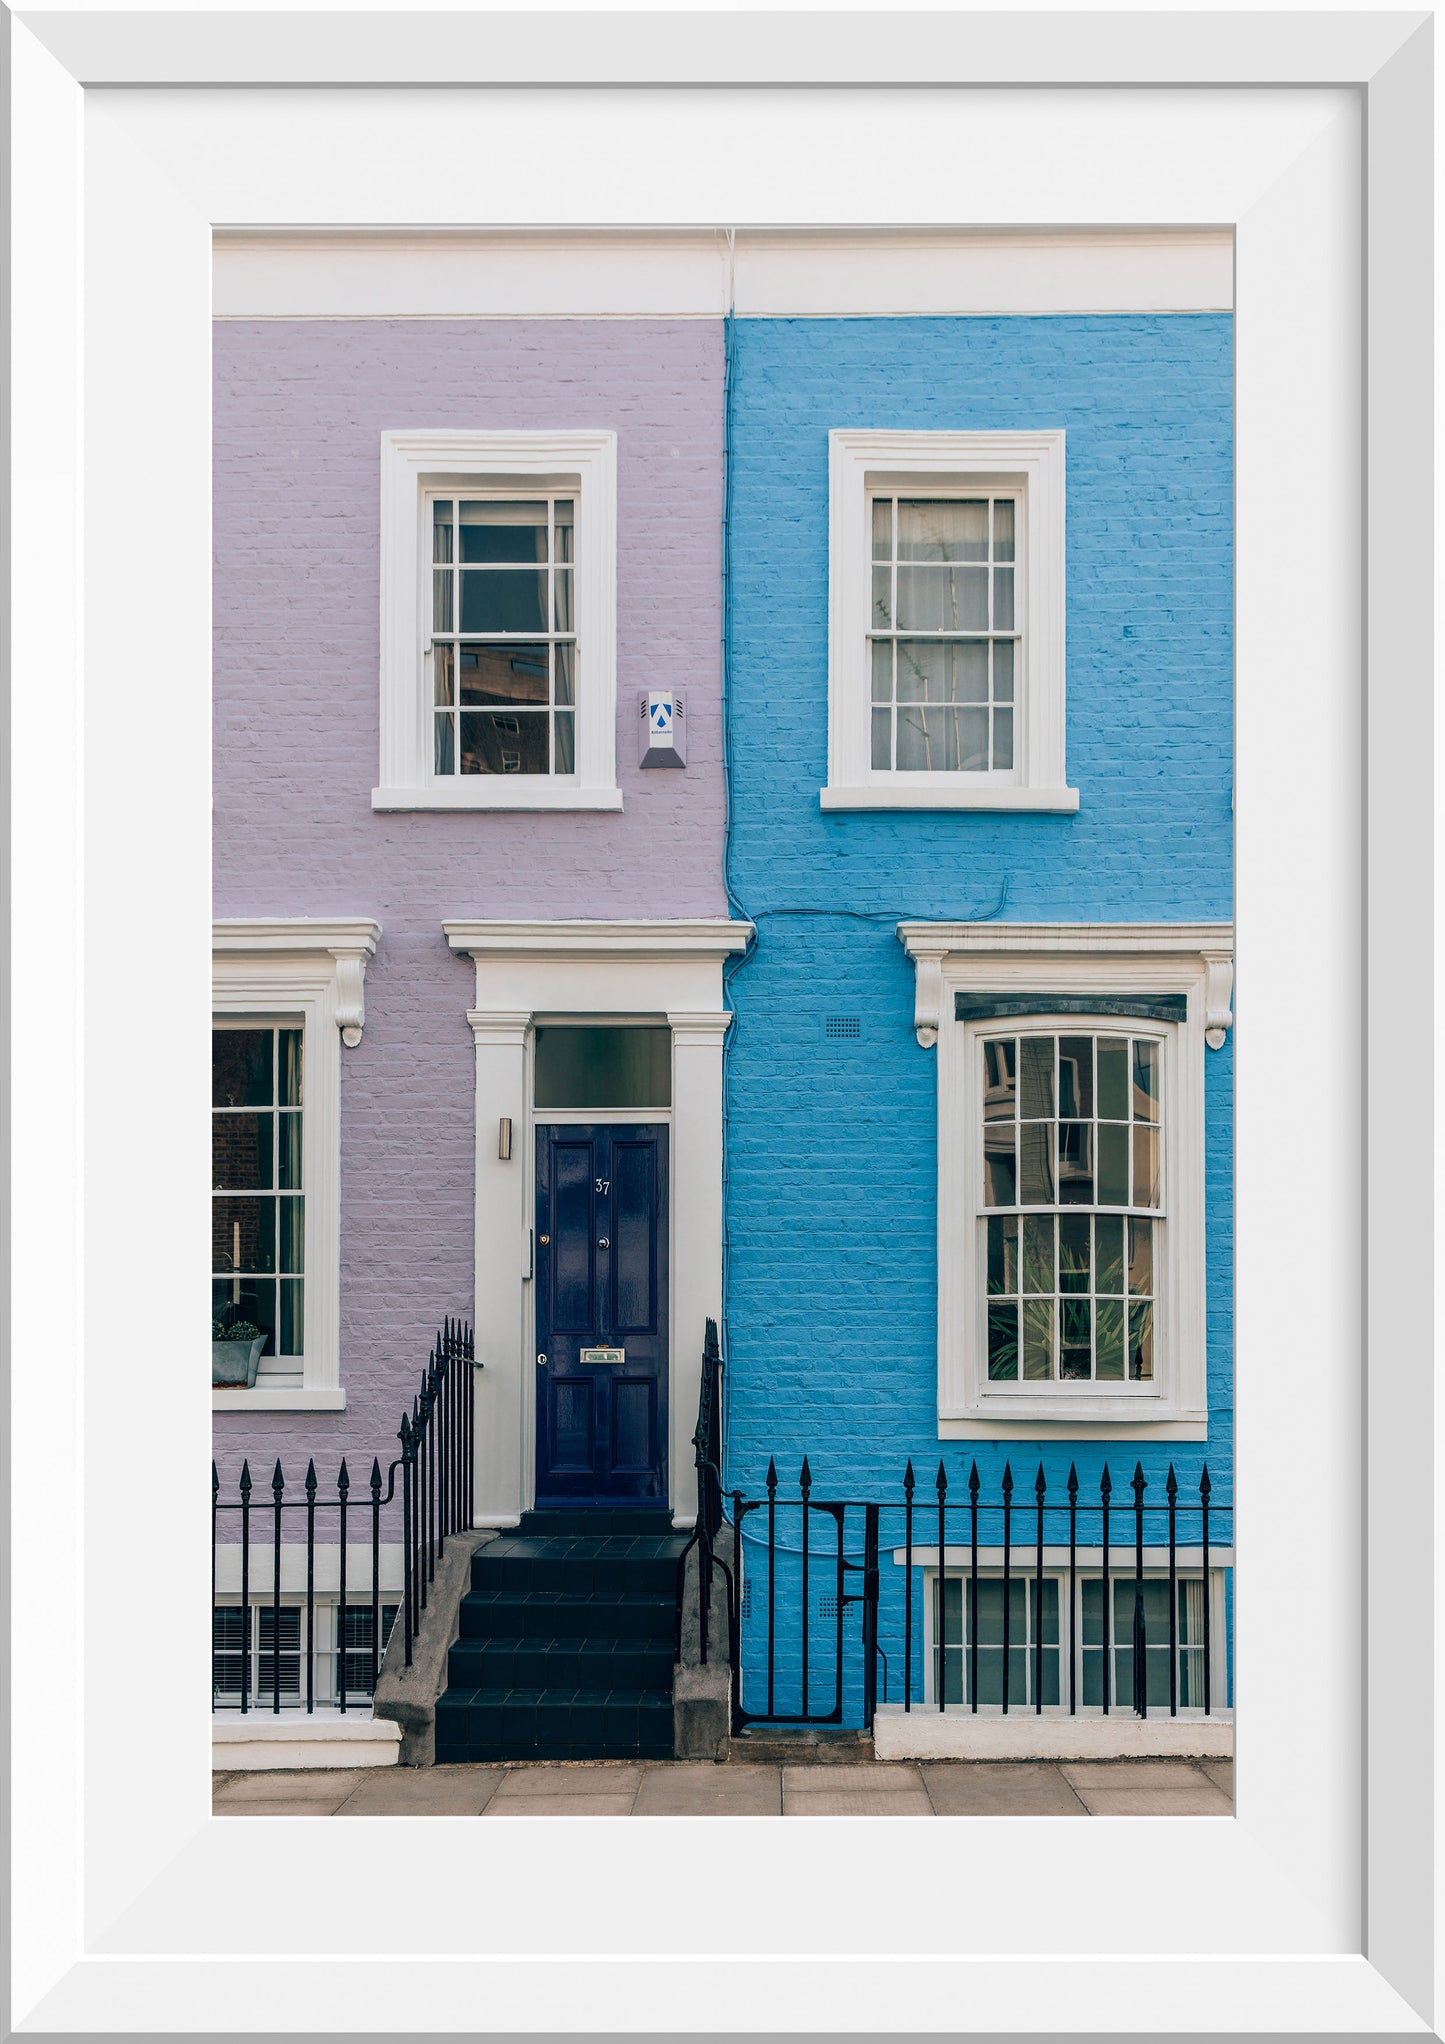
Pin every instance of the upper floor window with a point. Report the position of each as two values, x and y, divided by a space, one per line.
944 642
946 627
498 636
504 635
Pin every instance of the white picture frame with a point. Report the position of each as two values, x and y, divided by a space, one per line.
1314 1909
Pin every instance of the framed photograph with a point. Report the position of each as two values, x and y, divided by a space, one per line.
901 1152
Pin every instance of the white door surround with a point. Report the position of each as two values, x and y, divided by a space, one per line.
636 972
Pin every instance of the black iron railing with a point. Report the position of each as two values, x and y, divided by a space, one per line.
431 1500
707 1443
1035 1600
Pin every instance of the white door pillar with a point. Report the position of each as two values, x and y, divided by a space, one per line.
501 1311
697 1224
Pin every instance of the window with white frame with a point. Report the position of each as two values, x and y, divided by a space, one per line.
1038 1635
498 636
943 640
504 654
1071 1179
1072 1208
258 1198
286 995
946 629
244 1643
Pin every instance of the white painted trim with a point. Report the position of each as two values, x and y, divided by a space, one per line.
252 1741
278 1398
529 273
1121 1552
527 794
930 944
313 969
1032 461
640 971
957 1733
1083 959
349 940
326 1556
705 937
409 462
1055 801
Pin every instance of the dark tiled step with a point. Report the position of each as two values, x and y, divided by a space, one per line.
536 1663
562 1615
655 1519
627 1562
481 1755
520 1724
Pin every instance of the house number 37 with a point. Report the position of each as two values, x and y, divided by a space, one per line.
603 1184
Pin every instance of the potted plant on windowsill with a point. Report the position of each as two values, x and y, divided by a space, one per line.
235 1352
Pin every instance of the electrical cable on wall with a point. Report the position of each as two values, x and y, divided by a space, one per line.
736 907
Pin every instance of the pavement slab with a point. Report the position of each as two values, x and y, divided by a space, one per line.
899 1802
305 1791
1221 1773
872 1777
561 1806
422 1792
1121 1774
962 1788
706 1788
570 1778
1203 1800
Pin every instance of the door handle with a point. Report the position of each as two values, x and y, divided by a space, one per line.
603 1242
542 1360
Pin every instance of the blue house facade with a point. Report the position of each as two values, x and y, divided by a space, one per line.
978 1196
759 917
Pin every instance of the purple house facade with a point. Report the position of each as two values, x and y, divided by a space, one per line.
473 518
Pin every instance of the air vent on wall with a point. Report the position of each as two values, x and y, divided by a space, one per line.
842 1025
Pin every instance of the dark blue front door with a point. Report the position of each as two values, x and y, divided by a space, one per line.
601 1314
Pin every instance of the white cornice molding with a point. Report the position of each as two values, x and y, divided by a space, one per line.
532 273
705 1027
1204 950
702 937
504 1029
302 942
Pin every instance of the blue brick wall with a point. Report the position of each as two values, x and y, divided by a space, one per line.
832 1143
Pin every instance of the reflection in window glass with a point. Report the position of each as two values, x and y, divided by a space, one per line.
257 1199
504 635
1071 1136
943 634
603 1068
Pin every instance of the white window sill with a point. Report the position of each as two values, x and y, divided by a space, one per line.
279 1398
1055 1422
902 796
495 793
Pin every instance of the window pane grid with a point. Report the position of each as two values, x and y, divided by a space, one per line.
258 1201
1071 1189
943 634
503 640
229 1629
1024 1630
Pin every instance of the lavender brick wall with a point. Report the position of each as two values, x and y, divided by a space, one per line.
299 410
